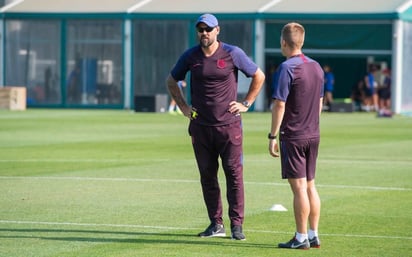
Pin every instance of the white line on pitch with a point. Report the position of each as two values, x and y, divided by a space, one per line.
75 224
82 160
103 179
90 224
325 160
196 181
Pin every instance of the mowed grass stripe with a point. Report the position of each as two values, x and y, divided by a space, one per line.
137 226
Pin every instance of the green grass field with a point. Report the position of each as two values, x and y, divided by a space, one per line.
117 183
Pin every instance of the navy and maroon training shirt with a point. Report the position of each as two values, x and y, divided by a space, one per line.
299 83
214 81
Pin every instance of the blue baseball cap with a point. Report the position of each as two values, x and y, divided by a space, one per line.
208 19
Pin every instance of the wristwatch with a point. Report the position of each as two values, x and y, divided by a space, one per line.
271 137
246 104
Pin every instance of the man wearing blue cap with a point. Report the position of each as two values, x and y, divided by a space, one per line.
215 121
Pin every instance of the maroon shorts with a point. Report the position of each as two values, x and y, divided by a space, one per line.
298 158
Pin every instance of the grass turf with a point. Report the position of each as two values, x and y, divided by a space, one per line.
118 183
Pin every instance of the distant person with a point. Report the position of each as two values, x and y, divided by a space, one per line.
297 104
74 85
173 108
358 95
329 82
384 93
371 94
215 122
270 74
48 81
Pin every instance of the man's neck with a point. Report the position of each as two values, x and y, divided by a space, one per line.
294 53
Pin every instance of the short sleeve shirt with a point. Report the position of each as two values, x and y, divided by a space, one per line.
214 81
299 83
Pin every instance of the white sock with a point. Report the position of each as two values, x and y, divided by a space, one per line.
301 237
312 233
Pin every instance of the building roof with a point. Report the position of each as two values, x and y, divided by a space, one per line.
318 9
68 6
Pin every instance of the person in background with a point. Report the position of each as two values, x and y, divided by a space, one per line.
358 95
173 108
371 94
74 85
297 104
215 119
270 75
385 95
329 83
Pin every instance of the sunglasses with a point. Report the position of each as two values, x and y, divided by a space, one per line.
207 29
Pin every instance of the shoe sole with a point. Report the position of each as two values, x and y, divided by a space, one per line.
298 248
301 247
315 244
215 235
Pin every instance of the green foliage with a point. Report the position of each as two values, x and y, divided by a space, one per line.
117 183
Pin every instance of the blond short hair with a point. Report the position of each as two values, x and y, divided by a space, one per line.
294 35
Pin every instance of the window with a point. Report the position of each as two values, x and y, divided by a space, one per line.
94 66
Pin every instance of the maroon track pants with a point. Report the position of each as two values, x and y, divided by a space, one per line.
210 143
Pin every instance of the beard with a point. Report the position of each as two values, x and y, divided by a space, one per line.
205 42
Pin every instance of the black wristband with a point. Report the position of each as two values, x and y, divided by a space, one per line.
271 137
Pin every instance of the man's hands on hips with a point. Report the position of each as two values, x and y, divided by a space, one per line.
237 108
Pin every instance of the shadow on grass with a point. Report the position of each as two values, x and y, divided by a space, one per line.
137 237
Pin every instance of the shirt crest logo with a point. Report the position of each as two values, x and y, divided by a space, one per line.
221 64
